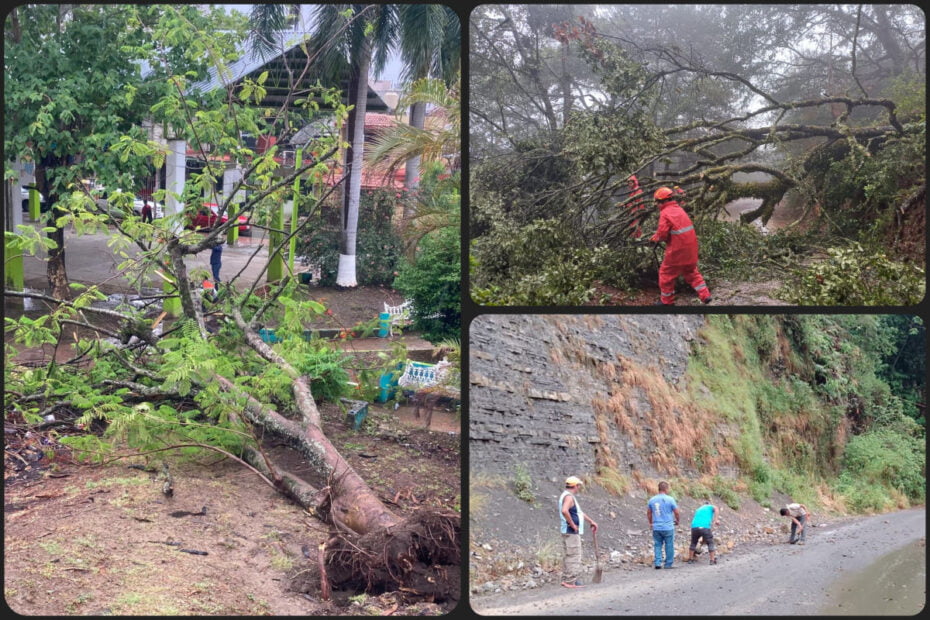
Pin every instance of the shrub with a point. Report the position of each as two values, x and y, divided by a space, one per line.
861 496
523 484
329 378
854 276
433 282
378 247
890 459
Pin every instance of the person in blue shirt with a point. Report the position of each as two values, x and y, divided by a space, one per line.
572 527
663 515
705 518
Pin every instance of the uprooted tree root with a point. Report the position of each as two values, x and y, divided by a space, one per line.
419 557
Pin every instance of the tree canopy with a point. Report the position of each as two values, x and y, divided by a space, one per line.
808 106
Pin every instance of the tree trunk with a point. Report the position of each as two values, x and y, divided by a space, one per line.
346 275
412 176
55 268
354 505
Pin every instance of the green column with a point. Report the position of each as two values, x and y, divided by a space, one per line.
233 232
171 305
292 246
13 271
276 264
34 204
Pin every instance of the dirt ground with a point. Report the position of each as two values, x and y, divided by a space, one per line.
104 540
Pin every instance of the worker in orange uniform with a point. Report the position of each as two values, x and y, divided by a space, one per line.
681 249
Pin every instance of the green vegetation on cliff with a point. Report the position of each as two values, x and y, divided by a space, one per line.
824 408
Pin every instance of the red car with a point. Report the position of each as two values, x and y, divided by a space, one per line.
206 217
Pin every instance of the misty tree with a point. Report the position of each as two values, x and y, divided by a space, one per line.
691 96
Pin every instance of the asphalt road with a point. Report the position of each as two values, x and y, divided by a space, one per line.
873 565
90 260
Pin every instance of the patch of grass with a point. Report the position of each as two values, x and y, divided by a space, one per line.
723 489
87 541
282 562
613 481
477 502
486 480
52 547
79 600
523 484
549 556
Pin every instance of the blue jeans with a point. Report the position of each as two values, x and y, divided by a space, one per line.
664 538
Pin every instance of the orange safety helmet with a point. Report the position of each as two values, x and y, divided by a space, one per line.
663 193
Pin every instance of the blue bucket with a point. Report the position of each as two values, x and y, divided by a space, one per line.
384 325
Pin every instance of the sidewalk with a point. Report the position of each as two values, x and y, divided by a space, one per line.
90 261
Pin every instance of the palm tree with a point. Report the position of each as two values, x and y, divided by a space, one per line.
430 47
439 146
401 143
366 42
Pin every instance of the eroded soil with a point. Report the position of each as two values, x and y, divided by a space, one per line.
105 540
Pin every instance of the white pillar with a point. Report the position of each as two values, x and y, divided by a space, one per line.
14 212
175 172
232 176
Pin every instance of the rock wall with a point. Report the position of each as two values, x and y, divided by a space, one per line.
533 378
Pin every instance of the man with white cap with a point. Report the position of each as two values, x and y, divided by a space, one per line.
572 527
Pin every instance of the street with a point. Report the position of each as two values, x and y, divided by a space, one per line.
813 579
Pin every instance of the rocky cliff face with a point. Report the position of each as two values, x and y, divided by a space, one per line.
537 380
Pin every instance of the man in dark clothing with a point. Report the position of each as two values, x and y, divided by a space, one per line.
216 259
146 211
681 250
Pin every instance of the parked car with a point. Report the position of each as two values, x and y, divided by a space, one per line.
119 209
157 211
206 218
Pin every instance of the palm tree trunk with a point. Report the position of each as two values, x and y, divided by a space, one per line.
412 175
346 275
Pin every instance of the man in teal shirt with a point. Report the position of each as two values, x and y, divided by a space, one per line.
662 512
704 519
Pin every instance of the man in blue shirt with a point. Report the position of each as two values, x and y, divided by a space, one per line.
662 512
704 519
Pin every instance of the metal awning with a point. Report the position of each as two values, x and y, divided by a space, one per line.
286 73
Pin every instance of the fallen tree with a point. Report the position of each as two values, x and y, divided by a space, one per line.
371 548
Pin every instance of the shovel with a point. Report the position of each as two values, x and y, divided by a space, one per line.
598 571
